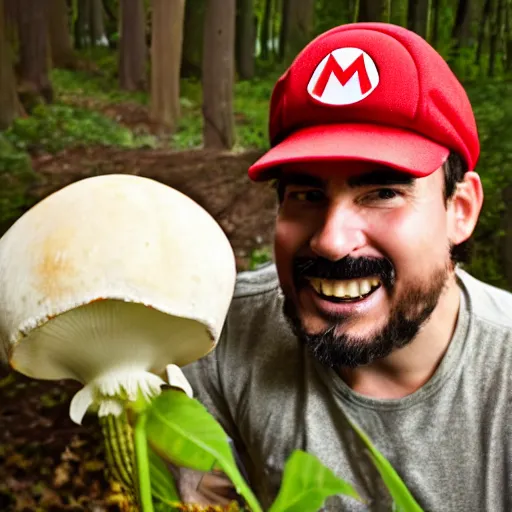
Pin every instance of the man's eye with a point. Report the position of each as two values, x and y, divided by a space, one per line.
386 193
383 194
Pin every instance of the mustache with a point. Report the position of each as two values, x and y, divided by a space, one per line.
346 268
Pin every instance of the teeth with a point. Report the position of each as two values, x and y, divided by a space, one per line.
365 286
327 287
340 289
351 289
317 285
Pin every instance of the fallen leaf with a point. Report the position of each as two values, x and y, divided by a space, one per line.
61 475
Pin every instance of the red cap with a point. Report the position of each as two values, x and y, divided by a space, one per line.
370 92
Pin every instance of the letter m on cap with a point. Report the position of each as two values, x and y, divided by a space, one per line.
356 63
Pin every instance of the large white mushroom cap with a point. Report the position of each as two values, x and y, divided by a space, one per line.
112 274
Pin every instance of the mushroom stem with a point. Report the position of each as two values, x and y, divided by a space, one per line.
120 455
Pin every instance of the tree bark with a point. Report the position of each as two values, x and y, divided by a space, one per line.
60 39
508 33
461 29
296 27
33 49
245 39
132 52
96 22
166 48
218 74
372 10
265 29
274 23
496 29
81 24
436 8
484 20
10 107
193 28
417 17
11 20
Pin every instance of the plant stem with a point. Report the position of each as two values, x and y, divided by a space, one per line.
142 464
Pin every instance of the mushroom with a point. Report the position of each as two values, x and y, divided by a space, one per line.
113 281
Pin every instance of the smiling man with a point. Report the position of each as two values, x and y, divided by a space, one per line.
366 314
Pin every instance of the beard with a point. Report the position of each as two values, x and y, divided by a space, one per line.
410 310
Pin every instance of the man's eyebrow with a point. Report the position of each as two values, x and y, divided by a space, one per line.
381 177
299 178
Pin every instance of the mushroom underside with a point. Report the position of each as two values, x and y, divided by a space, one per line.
92 339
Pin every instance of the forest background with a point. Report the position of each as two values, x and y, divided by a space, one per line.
178 91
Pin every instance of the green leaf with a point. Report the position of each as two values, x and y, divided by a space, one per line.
404 501
162 484
180 429
307 483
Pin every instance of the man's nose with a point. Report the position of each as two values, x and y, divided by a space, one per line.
340 234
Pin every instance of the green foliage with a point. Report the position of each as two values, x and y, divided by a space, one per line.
163 488
55 127
402 498
251 112
493 111
182 433
307 483
251 102
259 256
94 87
16 175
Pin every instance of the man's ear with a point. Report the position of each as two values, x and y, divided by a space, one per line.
464 208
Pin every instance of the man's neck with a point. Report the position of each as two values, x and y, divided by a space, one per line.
406 370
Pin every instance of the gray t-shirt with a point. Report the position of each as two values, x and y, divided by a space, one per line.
450 441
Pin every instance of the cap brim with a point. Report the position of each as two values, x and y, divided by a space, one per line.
391 147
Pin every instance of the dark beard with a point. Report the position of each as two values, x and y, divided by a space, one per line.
412 309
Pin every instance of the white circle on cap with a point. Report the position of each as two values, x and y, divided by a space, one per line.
345 76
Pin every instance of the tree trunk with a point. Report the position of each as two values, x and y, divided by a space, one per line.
96 23
496 29
508 40
34 51
275 33
486 12
461 29
296 27
265 29
436 8
81 24
245 39
192 52
11 20
60 39
166 47
372 10
10 107
218 74
132 52
417 17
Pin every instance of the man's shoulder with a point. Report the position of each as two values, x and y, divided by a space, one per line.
261 280
489 303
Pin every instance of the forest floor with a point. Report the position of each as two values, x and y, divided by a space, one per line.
48 463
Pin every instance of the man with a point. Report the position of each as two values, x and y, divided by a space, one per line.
366 315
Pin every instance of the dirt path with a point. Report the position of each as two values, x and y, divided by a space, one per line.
47 463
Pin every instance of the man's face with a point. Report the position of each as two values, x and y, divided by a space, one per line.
363 256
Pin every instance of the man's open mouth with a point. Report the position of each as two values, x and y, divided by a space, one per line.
347 290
